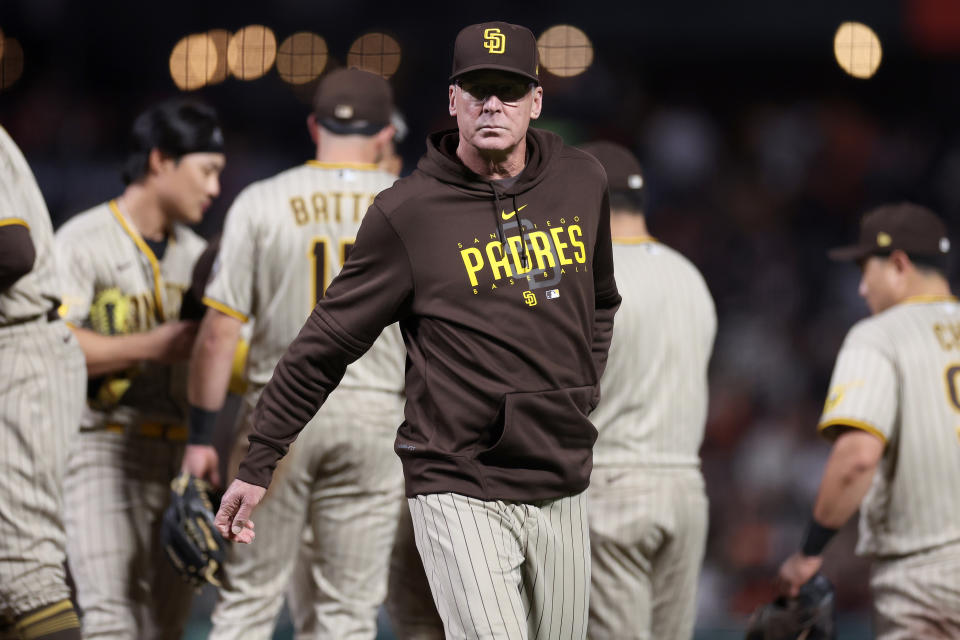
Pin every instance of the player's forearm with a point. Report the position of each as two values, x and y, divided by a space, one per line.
109 354
211 362
846 478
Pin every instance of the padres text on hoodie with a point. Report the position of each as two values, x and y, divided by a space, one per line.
505 298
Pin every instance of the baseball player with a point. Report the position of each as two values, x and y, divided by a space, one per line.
41 394
646 503
495 257
891 413
342 479
125 266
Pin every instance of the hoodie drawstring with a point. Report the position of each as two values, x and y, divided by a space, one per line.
502 236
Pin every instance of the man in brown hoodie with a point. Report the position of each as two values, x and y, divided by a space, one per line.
495 258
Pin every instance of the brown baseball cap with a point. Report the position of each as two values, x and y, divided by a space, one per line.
496 45
622 167
353 101
913 229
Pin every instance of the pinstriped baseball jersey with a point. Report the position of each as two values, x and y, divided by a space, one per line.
897 376
654 390
22 203
284 241
103 255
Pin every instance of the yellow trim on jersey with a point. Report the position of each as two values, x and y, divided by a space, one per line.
46 612
359 166
222 308
634 240
6 222
147 251
928 299
856 424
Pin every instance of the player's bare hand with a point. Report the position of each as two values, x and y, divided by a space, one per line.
233 517
173 341
202 461
796 571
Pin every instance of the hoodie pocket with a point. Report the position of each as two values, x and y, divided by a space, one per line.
543 430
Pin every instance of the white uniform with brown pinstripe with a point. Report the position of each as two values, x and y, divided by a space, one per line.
647 505
897 376
284 241
42 375
132 431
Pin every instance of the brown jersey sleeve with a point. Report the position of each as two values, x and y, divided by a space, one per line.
17 254
370 293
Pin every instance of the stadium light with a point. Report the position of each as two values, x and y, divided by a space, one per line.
251 52
301 57
193 61
376 52
857 49
565 50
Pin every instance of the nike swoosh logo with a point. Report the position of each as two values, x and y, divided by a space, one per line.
507 216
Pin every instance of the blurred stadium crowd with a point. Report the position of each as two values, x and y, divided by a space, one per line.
757 159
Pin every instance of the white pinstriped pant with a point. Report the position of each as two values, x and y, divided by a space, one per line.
648 532
918 596
342 480
42 382
118 487
502 569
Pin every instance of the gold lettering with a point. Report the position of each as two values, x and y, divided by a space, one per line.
548 223
476 241
948 335
938 331
563 221
300 215
459 245
493 236
336 196
356 206
575 233
517 251
493 286
319 202
541 250
560 245
475 292
576 218
498 263
473 261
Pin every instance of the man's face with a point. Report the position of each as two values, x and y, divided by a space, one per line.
494 108
881 283
187 186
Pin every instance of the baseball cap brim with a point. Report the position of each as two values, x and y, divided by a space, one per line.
850 253
355 128
495 67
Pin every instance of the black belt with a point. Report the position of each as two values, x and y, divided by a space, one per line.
50 316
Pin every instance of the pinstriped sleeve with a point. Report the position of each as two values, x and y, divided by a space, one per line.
863 388
230 288
77 277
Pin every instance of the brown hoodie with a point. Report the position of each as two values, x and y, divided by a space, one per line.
505 341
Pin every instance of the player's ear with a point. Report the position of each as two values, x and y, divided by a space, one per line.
312 128
537 106
158 161
453 100
900 260
385 135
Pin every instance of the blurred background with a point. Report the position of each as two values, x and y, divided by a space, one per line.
766 129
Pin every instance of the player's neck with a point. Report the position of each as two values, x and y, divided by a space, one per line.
352 151
143 209
494 165
927 286
624 224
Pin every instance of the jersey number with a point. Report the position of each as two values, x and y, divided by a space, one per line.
953 390
318 261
